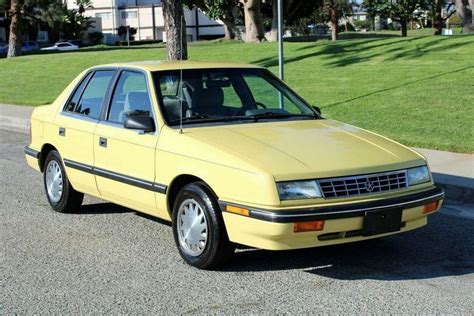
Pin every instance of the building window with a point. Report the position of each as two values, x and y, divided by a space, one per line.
103 15
129 15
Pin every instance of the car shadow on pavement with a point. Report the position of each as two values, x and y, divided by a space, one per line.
442 248
101 208
111 208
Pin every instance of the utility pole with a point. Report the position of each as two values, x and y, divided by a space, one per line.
196 22
153 21
280 40
112 9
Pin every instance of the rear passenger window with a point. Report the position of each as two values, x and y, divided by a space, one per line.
93 96
130 97
77 94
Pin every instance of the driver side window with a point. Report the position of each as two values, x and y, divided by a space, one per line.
130 97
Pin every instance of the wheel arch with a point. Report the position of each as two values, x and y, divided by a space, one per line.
177 184
45 149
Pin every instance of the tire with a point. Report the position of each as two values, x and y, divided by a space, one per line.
217 249
68 200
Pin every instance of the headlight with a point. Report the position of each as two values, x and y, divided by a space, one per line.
296 190
418 175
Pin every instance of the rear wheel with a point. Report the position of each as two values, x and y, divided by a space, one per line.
61 195
198 228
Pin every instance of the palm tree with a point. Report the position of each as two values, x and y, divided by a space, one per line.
83 5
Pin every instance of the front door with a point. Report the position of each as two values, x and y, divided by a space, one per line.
124 158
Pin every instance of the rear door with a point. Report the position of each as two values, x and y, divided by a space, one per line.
75 128
124 158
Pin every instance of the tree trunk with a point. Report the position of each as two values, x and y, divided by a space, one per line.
334 24
438 19
471 5
403 22
229 28
175 27
463 15
15 40
274 31
254 31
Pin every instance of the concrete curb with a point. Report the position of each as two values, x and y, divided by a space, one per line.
15 118
452 171
14 124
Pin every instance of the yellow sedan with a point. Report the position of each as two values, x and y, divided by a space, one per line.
228 153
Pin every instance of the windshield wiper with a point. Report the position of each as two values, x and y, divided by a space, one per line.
190 118
274 115
200 118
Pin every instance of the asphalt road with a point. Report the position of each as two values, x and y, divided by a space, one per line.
109 259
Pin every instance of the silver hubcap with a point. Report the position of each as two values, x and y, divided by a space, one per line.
54 181
192 228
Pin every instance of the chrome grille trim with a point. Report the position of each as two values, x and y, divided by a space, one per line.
363 184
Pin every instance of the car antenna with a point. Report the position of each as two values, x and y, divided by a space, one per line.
181 77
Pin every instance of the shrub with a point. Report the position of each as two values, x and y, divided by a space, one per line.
137 43
362 24
96 37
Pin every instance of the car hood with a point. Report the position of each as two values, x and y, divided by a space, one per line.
308 148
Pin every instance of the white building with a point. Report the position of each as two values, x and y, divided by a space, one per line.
146 16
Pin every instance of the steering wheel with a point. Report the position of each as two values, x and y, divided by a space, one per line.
245 108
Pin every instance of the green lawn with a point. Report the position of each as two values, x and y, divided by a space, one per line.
418 90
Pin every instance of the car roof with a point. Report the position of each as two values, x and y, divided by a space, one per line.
159 65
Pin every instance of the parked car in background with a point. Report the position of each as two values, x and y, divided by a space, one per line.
78 43
228 153
29 46
62 46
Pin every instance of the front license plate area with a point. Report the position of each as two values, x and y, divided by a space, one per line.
382 221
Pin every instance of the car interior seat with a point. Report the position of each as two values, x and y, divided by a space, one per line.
136 103
209 101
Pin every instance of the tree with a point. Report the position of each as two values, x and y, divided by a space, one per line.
122 31
26 15
332 11
83 5
438 21
54 16
15 40
74 24
254 31
400 11
464 15
224 10
175 27
296 15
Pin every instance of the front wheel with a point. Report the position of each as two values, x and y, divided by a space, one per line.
61 195
198 228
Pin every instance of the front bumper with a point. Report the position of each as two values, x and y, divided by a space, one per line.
274 230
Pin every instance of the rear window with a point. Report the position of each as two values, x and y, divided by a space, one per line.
90 103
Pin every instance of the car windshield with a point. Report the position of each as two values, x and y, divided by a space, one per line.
226 95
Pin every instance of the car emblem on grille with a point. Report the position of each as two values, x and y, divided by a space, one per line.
369 186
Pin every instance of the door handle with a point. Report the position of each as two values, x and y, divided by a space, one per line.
62 131
102 142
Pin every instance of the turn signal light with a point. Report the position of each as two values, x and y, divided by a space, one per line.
237 210
308 226
430 207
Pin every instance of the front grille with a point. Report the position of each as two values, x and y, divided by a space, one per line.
363 184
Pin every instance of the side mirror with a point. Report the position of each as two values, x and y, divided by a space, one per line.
140 122
317 109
